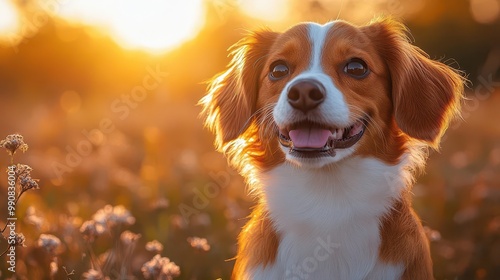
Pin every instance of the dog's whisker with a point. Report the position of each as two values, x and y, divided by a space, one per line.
371 125
256 113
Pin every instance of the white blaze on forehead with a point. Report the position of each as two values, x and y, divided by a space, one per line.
317 37
333 111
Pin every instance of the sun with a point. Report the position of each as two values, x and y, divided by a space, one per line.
153 25
8 20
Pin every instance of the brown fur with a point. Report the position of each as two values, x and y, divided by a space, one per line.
259 230
404 240
426 94
232 96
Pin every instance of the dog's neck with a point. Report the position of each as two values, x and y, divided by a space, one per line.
327 198
335 210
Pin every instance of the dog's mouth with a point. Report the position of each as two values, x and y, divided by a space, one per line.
309 139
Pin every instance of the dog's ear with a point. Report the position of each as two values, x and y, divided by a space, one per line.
232 95
426 94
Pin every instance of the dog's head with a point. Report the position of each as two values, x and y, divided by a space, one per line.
317 94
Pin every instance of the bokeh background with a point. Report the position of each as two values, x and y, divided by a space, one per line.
105 93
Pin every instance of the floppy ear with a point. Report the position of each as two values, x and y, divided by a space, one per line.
426 94
232 95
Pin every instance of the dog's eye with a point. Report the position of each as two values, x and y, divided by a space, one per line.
356 68
278 70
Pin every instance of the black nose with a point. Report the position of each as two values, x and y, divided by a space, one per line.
306 95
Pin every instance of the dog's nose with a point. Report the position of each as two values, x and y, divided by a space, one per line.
306 95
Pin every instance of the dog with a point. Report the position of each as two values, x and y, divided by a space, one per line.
329 125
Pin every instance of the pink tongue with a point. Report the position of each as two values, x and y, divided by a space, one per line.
309 137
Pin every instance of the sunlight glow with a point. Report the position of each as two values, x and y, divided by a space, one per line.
485 11
153 25
9 19
275 10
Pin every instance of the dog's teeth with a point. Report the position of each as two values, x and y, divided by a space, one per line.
340 134
334 134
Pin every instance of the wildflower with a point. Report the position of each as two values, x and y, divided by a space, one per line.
160 268
14 142
129 238
102 215
170 270
152 268
178 222
93 274
23 170
19 240
27 184
161 203
53 268
112 216
199 243
49 242
33 218
432 235
23 177
121 215
91 230
154 246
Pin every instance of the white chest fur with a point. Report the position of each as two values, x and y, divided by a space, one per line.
328 219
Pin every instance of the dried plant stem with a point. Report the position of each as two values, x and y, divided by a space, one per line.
6 250
93 261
